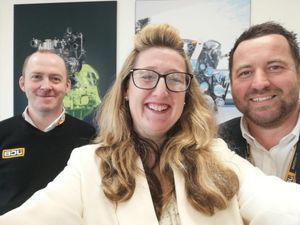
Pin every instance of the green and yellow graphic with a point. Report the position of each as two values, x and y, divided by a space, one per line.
84 96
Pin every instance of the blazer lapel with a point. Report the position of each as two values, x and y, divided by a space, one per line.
190 216
139 208
187 214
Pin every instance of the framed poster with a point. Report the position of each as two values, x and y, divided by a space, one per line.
209 29
86 31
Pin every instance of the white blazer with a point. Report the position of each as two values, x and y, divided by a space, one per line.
75 197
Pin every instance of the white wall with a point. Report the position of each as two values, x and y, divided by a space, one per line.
285 12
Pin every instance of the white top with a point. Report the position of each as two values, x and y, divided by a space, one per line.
75 197
170 214
276 160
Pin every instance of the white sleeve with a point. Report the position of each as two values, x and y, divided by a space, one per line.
263 200
276 217
58 204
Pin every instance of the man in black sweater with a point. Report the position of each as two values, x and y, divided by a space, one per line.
36 145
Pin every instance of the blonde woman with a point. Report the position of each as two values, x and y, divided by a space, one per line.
156 159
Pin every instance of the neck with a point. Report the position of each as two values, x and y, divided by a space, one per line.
43 119
269 137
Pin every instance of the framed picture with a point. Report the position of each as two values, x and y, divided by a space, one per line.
85 32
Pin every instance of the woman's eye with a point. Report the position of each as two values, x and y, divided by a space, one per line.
176 80
147 77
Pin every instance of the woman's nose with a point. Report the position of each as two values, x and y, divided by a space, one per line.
161 88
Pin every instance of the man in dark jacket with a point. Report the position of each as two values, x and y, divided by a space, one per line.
265 76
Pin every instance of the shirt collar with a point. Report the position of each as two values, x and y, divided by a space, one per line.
59 120
294 134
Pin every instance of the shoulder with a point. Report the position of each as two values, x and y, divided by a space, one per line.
230 127
230 132
72 121
76 120
85 162
220 148
241 166
235 122
84 153
254 198
11 125
11 120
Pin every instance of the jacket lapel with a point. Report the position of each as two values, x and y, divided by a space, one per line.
139 208
190 216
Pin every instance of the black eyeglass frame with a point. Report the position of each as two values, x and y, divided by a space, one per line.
161 76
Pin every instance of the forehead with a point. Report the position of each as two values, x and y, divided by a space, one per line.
45 61
160 58
261 51
272 42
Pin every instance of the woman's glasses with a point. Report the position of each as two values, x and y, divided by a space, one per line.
148 79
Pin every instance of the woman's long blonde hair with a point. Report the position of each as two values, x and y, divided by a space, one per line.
209 184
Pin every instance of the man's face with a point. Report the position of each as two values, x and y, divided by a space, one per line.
45 83
265 80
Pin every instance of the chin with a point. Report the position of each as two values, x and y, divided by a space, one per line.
46 109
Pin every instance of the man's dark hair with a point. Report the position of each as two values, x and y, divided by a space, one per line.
264 29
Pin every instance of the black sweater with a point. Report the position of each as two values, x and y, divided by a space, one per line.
31 158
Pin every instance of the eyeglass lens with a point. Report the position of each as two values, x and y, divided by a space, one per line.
148 79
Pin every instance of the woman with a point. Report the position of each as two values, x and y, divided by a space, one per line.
156 159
